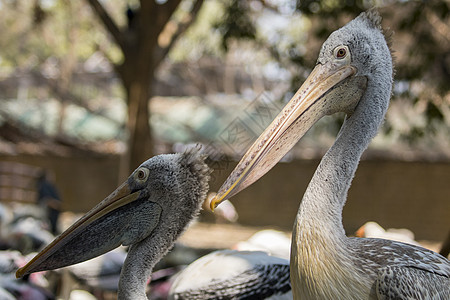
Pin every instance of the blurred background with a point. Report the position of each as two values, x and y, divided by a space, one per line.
90 89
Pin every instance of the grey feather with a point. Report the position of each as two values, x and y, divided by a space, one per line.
410 282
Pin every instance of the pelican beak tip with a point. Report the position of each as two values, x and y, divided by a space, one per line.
215 202
20 272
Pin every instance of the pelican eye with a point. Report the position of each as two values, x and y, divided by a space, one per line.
142 174
340 52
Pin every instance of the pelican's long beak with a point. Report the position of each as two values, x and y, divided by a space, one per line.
120 197
311 102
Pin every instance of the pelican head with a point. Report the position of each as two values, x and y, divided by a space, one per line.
164 192
351 59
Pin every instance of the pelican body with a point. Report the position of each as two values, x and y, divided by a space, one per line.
147 212
354 75
231 274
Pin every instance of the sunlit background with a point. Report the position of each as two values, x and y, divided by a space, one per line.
90 89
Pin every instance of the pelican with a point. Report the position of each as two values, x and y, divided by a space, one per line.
231 274
148 212
274 242
256 268
374 230
353 74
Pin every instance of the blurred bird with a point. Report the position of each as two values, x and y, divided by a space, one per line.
374 230
231 274
274 242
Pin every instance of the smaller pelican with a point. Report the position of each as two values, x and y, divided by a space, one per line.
148 212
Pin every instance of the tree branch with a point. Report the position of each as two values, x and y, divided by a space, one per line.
109 23
117 67
160 13
65 94
162 52
270 6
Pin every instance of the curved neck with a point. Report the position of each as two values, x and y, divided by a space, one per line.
324 199
319 254
141 259
136 271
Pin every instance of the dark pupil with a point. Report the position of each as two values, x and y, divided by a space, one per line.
341 52
141 174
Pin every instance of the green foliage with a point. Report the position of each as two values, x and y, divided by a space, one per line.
236 23
32 31
433 113
420 44
43 48
332 7
421 36
202 38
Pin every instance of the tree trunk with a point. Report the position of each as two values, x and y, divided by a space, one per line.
140 146
142 54
137 74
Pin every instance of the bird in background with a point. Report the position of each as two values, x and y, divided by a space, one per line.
232 274
374 230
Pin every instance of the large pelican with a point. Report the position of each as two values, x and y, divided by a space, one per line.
148 211
353 75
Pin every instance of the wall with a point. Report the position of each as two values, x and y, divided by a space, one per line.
81 181
412 195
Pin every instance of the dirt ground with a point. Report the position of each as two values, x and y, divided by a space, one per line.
218 236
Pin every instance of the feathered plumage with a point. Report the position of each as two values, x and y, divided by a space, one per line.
231 274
